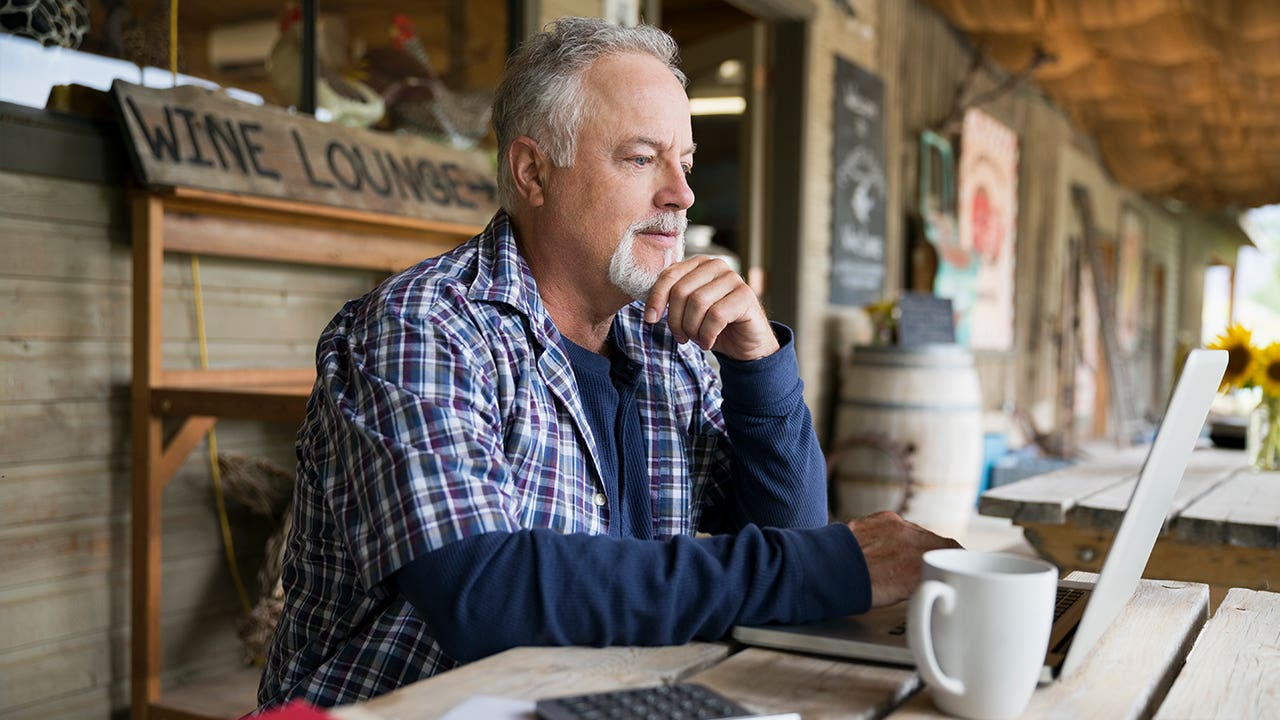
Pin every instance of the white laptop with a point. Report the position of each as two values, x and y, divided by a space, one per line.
1084 612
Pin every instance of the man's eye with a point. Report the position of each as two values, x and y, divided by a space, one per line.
688 169
641 160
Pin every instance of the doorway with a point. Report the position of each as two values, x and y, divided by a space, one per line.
745 86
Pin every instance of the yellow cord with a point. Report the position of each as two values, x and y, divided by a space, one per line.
228 544
173 40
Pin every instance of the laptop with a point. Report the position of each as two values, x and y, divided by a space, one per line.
1084 611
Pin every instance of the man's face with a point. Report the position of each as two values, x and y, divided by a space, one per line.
621 206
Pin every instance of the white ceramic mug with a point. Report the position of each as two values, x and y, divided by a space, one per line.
979 627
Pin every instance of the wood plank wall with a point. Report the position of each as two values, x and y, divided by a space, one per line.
923 62
64 444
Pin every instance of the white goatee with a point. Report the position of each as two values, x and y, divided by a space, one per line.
626 273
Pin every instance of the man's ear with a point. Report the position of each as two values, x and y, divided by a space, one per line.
528 169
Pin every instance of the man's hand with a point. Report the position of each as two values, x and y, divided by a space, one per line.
893 548
710 304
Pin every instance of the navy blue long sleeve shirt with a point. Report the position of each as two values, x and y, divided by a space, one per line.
772 559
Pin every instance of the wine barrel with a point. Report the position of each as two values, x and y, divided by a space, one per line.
923 403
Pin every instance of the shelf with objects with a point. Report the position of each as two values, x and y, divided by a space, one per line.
226 179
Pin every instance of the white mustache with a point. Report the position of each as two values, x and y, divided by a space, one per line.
665 223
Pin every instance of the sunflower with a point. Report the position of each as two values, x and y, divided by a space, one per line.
1238 342
1266 374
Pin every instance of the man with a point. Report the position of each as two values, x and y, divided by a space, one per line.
514 443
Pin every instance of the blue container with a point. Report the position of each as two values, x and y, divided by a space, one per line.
994 447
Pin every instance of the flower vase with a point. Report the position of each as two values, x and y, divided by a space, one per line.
1262 443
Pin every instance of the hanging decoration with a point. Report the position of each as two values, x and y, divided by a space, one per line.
988 205
50 22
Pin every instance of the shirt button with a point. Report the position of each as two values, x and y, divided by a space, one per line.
599 500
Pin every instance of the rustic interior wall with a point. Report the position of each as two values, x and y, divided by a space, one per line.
821 330
924 63
64 426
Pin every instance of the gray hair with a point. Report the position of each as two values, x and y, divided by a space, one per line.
541 93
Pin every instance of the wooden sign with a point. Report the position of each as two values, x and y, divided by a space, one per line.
188 136
925 319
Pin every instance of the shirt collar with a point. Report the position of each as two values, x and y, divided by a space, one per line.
504 277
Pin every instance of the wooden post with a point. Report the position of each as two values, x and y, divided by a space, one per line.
146 453
1126 415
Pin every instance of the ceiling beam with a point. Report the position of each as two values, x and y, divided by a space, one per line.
776 9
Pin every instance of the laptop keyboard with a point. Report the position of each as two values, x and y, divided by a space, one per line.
1066 598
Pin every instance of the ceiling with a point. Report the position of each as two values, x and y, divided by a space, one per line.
691 21
1181 96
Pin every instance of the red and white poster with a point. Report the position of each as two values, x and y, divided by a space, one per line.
1129 287
988 204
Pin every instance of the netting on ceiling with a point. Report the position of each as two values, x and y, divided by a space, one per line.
1182 96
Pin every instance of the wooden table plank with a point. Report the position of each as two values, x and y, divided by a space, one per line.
1223 528
769 681
1097 491
1244 511
1047 498
530 673
1131 668
1105 509
1234 669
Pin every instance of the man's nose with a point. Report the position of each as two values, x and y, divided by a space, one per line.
675 193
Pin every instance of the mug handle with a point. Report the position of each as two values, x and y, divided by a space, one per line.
919 615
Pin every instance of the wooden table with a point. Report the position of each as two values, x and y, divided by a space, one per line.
1234 668
1129 675
1223 528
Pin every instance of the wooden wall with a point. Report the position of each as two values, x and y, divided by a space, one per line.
64 443
923 62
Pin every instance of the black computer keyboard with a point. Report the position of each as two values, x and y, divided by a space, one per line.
683 701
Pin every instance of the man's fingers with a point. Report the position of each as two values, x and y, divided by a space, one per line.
686 289
703 303
658 298
708 302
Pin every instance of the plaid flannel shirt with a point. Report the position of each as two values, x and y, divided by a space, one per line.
445 408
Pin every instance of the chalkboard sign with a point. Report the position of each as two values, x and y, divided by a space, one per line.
857 188
925 319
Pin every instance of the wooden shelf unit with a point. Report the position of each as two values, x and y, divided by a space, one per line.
220 224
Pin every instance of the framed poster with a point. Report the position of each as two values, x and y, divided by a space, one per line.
857 187
988 203
1129 273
